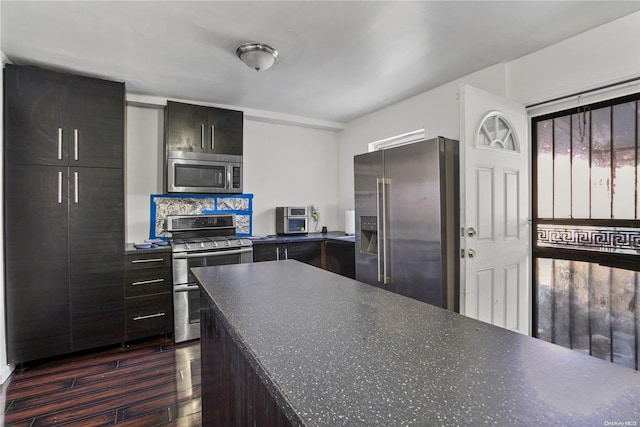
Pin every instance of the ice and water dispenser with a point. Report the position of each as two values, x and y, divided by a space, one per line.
369 234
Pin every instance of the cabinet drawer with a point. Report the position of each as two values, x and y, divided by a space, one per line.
134 262
148 316
147 281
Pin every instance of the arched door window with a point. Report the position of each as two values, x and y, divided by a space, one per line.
496 132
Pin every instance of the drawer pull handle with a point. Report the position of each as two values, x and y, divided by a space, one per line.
149 316
147 282
138 261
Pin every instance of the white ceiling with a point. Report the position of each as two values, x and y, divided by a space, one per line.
338 60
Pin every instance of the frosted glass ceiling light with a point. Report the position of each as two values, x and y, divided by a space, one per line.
258 56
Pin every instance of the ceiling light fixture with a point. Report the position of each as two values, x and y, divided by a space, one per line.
258 56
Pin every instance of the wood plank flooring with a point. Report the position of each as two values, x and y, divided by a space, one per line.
147 384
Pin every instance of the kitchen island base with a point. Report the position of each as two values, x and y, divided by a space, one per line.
236 394
319 349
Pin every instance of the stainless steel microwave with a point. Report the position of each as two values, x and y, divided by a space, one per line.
189 172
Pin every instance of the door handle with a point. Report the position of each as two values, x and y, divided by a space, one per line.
385 257
185 288
378 219
147 282
471 232
211 254
149 316
59 143
382 227
75 144
139 261
76 190
471 253
60 187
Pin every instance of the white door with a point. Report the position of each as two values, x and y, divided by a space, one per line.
494 155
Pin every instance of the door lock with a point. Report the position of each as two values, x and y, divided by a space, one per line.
471 232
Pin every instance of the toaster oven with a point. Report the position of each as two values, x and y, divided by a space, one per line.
292 220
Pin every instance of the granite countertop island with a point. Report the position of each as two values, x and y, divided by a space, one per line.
287 343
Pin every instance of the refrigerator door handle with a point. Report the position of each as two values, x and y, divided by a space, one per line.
385 257
378 183
382 226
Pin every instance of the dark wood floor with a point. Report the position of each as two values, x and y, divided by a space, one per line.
147 384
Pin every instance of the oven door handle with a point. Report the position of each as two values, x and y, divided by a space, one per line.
185 288
217 253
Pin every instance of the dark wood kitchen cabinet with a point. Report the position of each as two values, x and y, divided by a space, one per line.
148 295
64 212
329 254
307 252
62 119
340 258
199 129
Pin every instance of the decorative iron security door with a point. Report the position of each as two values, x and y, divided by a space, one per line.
586 229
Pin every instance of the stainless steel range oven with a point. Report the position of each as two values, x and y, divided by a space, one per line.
199 241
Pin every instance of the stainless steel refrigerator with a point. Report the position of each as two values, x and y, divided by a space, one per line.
407 220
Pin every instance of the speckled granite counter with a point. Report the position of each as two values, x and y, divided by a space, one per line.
332 351
310 237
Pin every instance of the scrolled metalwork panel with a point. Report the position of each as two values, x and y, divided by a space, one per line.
621 240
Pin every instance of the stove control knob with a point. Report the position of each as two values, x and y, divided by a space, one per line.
228 243
187 246
215 244
202 244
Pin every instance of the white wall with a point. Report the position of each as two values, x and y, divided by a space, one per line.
606 54
5 370
143 168
290 165
283 165
436 111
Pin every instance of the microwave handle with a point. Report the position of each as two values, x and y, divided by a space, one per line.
213 137
202 137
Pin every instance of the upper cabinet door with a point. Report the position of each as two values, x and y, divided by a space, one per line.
199 129
94 135
59 119
35 116
186 127
225 131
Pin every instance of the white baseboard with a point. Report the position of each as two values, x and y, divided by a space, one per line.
6 372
